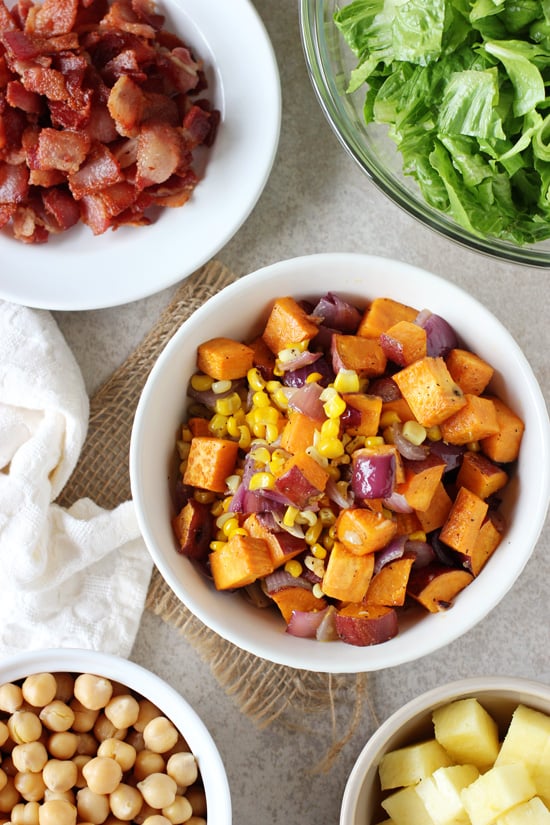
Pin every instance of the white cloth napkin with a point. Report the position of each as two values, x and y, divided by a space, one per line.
73 577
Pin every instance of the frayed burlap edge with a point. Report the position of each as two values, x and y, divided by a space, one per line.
262 690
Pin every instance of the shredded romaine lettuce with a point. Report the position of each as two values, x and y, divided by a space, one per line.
463 86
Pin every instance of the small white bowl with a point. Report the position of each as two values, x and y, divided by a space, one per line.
240 310
499 695
148 685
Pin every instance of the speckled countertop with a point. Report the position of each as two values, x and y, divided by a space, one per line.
317 201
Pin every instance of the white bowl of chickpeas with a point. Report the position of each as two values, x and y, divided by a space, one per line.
470 751
88 738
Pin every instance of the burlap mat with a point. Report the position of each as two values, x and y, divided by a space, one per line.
262 690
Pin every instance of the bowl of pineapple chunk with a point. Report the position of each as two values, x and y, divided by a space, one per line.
470 752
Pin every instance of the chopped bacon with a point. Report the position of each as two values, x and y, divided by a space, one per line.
99 116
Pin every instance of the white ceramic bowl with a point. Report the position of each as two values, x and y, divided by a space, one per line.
150 686
238 311
500 695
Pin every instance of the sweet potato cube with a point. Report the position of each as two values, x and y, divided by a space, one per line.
435 586
363 414
289 599
503 447
288 323
210 461
428 388
400 407
487 541
406 523
480 475
199 426
363 531
347 575
389 585
463 523
282 545
471 373
353 352
421 481
224 358
382 314
264 359
241 561
438 510
404 342
298 432
477 419
302 477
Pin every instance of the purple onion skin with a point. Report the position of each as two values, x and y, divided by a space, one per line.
295 486
297 378
338 313
373 476
451 454
440 336
385 388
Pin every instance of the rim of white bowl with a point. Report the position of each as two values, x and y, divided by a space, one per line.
435 697
305 653
150 686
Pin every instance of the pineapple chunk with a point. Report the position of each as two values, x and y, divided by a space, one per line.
533 812
467 732
406 766
526 738
440 793
541 775
406 808
496 792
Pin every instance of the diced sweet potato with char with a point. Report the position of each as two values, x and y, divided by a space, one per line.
463 523
199 426
471 373
382 314
353 352
224 358
487 541
364 531
400 407
288 323
366 624
477 419
363 414
438 510
264 359
436 586
241 561
406 523
429 390
421 481
347 575
404 342
301 479
193 527
480 475
389 585
210 461
289 599
504 446
298 433
282 546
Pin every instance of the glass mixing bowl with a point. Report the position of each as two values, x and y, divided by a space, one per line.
330 61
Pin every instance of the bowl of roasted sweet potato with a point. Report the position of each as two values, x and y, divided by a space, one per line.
338 448
472 751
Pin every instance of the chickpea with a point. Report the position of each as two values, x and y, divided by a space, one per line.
196 820
4 733
68 796
25 813
93 691
57 716
3 779
124 753
84 718
179 811
60 774
11 697
102 774
62 745
32 756
39 689
156 819
160 735
183 768
93 807
30 785
104 729
57 812
147 711
80 760
147 763
24 726
122 711
158 790
125 802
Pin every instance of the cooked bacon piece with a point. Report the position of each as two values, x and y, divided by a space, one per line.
20 98
101 126
179 68
176 191
146 10
124 64
100 170
65 150
199 126
28 227
122 16
52 17
64 116
160 109
7 22
7 211
160 151
101 211
14 182
12 126
59 204
44 81
126 104
19 46
45 178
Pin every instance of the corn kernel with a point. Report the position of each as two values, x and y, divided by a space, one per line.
316 566
217 508
228 524
388 418
318 551
334 407
317 591
277 463
219 387
280 398
326 516
183 448
273 386
217 545
278 371
387 513
374 441
312 535
255 380
418 535
232 426
289 354
204 496
331 448
328 542
330 428
223 518
414 432
218 425
294 568
388 435
229 404
226 503
201 382
186 434
260 399
261 455
289 517
308 517
334 472
262 481
313 377
346 381
354 444
434 433
233 482
271 432
244 437
237 531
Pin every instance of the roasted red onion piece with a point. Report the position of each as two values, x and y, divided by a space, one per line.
451 454
305 624
307 400
298 377
337 313
407 449
385 388
372 474
280 579
398 503
440 336
391 552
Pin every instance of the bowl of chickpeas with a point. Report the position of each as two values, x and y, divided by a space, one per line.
88 738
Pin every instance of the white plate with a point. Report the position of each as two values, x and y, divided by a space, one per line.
77 271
